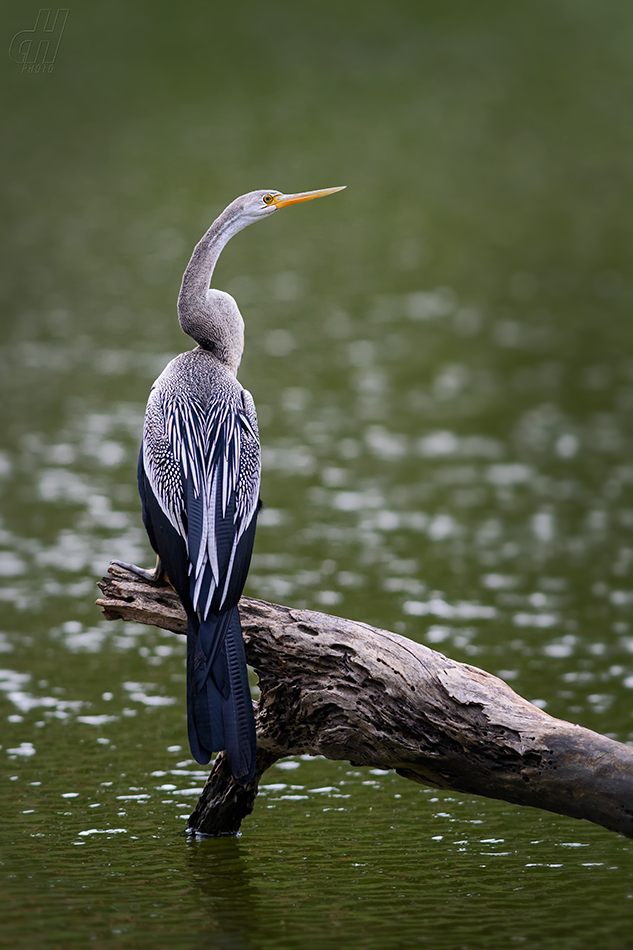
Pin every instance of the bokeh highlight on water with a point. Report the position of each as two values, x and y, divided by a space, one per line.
442 361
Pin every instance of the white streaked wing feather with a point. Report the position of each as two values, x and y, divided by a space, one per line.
193 439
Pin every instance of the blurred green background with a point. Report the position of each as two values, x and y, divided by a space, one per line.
442 360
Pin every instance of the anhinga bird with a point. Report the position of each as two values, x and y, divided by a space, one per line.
198 477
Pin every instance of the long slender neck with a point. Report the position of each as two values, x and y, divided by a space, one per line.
197 276
211 317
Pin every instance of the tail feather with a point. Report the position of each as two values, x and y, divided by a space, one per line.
239 722
205 724
211 660
219 708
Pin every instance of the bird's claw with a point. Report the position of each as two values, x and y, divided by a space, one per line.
154 577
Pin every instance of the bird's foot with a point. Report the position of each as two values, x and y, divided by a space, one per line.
157 576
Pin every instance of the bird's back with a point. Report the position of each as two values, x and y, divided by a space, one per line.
199 476
201 456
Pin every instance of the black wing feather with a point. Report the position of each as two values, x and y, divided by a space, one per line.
205 543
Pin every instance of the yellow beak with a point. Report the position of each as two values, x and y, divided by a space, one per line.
282 201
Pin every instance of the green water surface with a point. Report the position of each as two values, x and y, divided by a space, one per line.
442 360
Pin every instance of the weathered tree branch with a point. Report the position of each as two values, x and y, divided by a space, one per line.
346 690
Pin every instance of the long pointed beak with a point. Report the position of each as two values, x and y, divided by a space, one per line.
282 201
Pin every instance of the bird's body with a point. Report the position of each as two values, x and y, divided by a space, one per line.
199 472
199 479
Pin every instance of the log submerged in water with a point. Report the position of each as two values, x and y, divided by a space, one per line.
346 690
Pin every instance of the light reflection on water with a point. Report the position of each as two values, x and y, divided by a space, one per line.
443 373
330 847
474 543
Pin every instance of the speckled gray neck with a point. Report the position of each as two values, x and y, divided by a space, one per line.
212 317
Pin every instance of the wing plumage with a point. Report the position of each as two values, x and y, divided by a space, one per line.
200 465
205 474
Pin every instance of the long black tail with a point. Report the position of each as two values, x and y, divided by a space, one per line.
219 707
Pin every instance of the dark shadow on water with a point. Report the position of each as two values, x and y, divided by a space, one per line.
229 897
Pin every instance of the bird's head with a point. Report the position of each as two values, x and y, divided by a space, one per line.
211 317
260 204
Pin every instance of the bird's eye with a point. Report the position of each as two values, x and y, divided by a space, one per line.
267 199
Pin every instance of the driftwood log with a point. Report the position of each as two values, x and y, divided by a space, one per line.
345 690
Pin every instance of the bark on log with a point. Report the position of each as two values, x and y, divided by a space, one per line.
345 690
